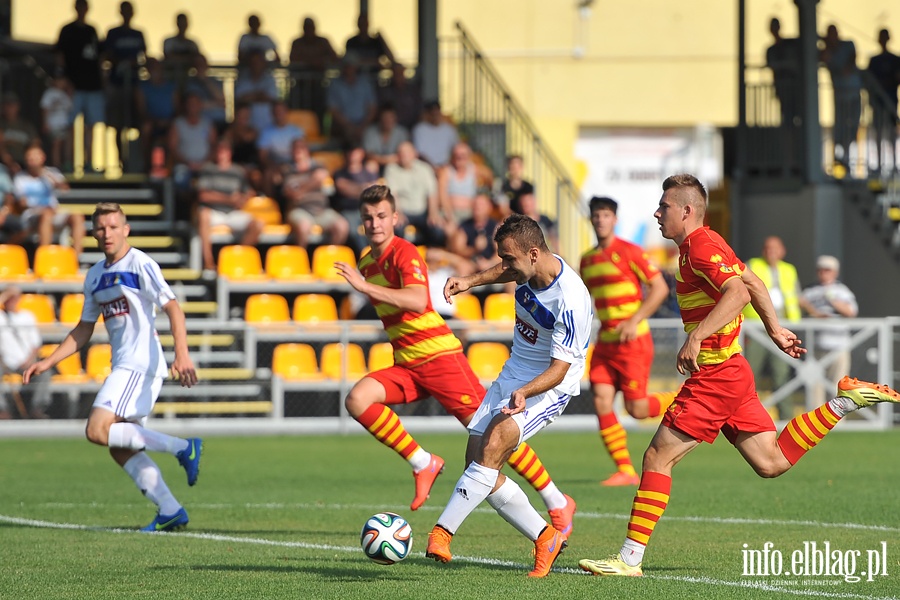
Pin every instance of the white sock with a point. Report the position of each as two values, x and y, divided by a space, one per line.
512 504
135 437
419 459
552 497
472 488
148 478
632 552
842 406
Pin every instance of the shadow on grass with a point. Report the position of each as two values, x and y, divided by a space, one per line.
350 573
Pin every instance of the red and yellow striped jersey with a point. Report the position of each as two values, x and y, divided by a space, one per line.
614 276
705 264
416 337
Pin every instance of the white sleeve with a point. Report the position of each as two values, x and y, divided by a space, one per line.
90 312
572 329
153 285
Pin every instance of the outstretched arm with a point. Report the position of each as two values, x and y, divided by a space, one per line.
786 340
75 340
457 285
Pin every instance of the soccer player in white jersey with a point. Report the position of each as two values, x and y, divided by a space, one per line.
553 328
127 288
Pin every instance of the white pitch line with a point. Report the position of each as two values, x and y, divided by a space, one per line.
468 559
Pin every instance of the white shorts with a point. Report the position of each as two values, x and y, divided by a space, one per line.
236 220
540 410
129 394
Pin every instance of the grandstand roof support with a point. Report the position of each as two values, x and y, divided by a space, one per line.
428 48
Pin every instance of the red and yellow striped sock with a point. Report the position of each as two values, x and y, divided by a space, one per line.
385 425
804 432
649 503
616 441
526 463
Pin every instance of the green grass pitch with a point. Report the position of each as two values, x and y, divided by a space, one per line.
280 517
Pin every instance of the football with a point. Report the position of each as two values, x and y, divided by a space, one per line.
386 538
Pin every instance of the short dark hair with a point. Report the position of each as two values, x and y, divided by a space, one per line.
376 193
685 180
525 231
598 202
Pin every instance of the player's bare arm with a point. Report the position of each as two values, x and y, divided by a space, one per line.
496 274
413 298
73 342
734 298
182 365
549 379
657 292
786 340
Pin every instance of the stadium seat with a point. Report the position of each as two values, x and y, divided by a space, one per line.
500 306
287 262
40 305
381 356
263 208
332 361
240 262
587 362
99 361
13 263
487 359
70 308
313 308
332 161
468 307
266 308
324 257
309 122
55 262
296 362
68 370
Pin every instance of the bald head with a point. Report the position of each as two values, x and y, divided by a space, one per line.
773 250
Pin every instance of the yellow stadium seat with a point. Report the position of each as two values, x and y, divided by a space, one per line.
40 305
287 262
332 361
265 209
296 362
99 361
240 262
309 122
70 308
381 356
500 306
68 369
14 263
314 308
468 307
332 161
55 262
266 308
324 257
487 359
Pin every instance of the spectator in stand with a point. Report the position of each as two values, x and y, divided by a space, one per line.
276 144
885 69
306 203
514 185
124 48
254 41
244 148
192 139
414 186
357 174
373 52
474 239
459 181
529 205
222 191
78 53
256 86
35 186
405 97
11 228
56 106
20 341
210 92
16 134
840 58
433 136
180 50
381 139
351 102
783 58
310 55
157 101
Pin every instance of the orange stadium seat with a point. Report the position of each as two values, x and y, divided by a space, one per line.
99 361
263 208
40 305
332 161
314 308
381 356
487 359
55 262
324 257
240 262
500 306
266 308
309 122
468 307
68 370
287 262
14 263
333 357
70 308
296 362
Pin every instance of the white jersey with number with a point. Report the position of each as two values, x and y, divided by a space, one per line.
127 294
553 322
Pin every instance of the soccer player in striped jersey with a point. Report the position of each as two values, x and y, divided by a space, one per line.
615 272
127 288
428 358
713 286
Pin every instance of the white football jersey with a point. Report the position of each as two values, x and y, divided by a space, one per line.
553 322
127 294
